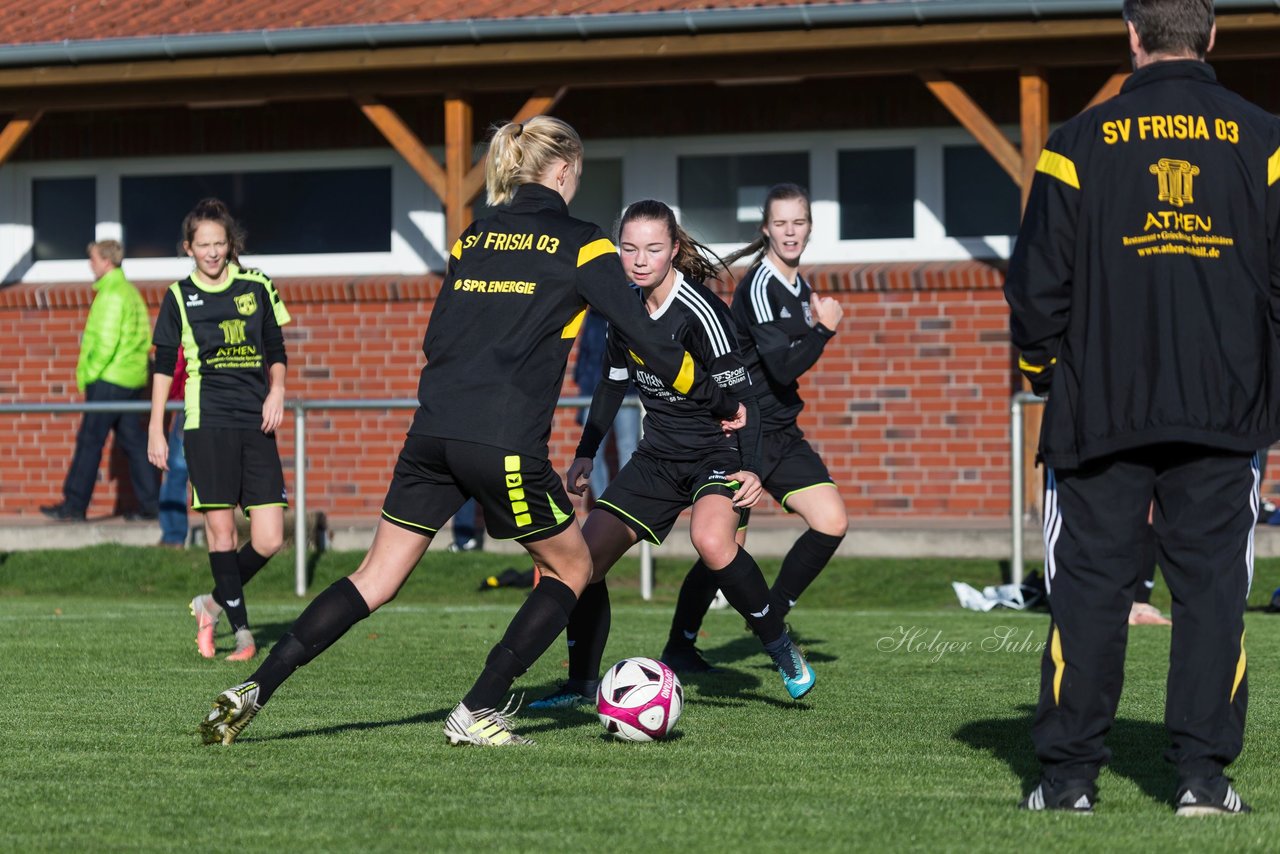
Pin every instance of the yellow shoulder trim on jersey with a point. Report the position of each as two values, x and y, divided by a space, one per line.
253 274
1273 168
594 250
571 328
684 379
1024 365
456 252
1057 166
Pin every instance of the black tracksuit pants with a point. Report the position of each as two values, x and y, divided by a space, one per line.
1206 505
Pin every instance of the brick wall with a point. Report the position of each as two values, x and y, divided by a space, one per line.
908 404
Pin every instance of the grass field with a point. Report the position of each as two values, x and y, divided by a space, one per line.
901 747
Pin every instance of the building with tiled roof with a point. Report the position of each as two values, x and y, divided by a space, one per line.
346 135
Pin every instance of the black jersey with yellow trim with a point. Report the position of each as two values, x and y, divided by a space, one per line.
227 333
513 299
774 319
675 427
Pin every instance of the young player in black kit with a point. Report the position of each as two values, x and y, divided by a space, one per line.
684 459
515 294
227 320
784 327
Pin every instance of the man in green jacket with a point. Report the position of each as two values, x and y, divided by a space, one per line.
112 367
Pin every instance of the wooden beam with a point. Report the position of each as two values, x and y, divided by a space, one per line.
1033 90
976 121
16 131
406 142
540 104
1109 89
457 160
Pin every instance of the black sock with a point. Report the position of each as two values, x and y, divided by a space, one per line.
588 632
325 620
248 561
807 558
696 595
744 587
227 590
532 630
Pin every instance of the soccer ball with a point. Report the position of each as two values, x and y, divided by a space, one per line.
640 699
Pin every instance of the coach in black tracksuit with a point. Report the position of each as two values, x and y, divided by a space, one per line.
1145 296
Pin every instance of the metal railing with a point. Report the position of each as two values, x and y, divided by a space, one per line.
300 409
1017 471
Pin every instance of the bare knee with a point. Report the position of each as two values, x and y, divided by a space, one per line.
715 548
268 544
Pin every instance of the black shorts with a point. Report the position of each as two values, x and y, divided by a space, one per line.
649 494
232 466
789 465
522 496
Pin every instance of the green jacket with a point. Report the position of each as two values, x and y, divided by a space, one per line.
117 335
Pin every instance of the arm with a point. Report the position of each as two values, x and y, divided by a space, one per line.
101 338
606 400
167 336
276 358
603 285
1038 287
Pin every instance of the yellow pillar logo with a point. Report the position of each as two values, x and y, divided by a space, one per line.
232 331
1174 178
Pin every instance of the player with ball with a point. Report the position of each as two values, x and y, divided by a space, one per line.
684 459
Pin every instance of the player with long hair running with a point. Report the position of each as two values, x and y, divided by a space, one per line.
515 293
784 327
227 322
684 459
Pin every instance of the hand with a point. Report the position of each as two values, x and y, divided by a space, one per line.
158 450
273 410
827 312
749 491
579 476
738 421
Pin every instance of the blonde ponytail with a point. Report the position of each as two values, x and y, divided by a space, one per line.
520 152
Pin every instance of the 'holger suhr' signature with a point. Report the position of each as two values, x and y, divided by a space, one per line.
919 640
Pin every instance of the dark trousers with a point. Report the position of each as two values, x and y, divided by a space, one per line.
1206 503
77 490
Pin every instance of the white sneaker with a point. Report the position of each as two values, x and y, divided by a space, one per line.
484 727
233 710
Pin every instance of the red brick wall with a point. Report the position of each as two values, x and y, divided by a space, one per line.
908 405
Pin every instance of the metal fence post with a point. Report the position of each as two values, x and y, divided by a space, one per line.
300 498
1016 456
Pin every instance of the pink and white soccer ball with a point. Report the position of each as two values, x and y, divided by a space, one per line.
640 699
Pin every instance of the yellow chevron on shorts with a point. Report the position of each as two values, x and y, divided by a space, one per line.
594 249
1059 664
1273 168
1240 665
1056 166
1024 365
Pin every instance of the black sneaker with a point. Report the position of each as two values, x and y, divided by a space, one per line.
686 659
1066 795
1208 796
62 513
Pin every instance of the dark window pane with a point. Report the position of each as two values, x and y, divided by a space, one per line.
64 215
285 213
721 195
980 197
877 193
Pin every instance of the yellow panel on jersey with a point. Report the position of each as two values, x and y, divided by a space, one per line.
1059 664
456 252
191 350
594 250
1273 168
1239 670
684 379
571 328
277 305
1057 166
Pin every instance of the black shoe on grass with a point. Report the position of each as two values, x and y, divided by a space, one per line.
1065 795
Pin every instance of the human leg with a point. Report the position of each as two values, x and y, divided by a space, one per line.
823 511
173 489
82 474
132 437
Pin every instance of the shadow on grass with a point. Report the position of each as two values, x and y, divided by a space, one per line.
1138 755
438 716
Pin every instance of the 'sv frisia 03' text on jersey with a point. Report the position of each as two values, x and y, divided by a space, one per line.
509 309
1145 283
775 319
230 335
675 427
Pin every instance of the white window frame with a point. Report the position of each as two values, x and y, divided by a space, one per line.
417 216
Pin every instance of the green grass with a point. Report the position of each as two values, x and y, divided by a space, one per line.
896 749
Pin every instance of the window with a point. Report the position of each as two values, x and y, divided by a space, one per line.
317 211
64 216
877 193
599 196
979 198
721 195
